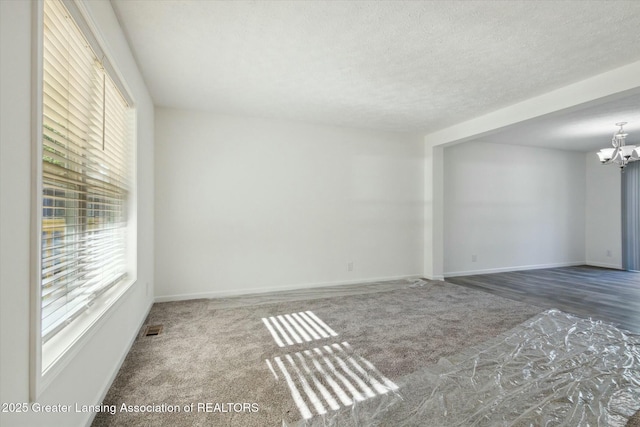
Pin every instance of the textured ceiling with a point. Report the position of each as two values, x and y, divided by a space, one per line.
407 66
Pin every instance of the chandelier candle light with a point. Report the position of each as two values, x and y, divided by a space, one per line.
621 154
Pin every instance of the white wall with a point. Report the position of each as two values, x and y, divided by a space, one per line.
603 232
250 205
513 207
86 378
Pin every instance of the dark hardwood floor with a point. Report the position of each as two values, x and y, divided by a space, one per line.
599 293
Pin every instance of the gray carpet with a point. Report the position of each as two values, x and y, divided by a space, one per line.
216 351
209 353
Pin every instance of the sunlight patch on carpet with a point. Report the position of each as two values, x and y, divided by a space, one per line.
297 328
329 377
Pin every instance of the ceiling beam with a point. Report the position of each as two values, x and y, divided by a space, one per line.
603 87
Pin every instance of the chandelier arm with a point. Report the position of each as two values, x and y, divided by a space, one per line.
617 156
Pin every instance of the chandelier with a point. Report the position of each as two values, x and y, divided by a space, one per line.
621 154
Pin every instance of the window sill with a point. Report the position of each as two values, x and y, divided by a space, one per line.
65 345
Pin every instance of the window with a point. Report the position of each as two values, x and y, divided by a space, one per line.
631 217
85 181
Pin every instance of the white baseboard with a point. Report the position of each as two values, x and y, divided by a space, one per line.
515 268
232 293
604 265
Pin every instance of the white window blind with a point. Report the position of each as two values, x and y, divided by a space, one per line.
86 146
631 217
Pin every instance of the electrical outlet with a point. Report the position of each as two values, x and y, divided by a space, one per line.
148 288
350 266
609 252
474 258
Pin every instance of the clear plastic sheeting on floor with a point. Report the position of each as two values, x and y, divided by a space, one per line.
556 369
553 370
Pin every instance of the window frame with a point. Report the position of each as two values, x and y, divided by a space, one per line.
48 359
